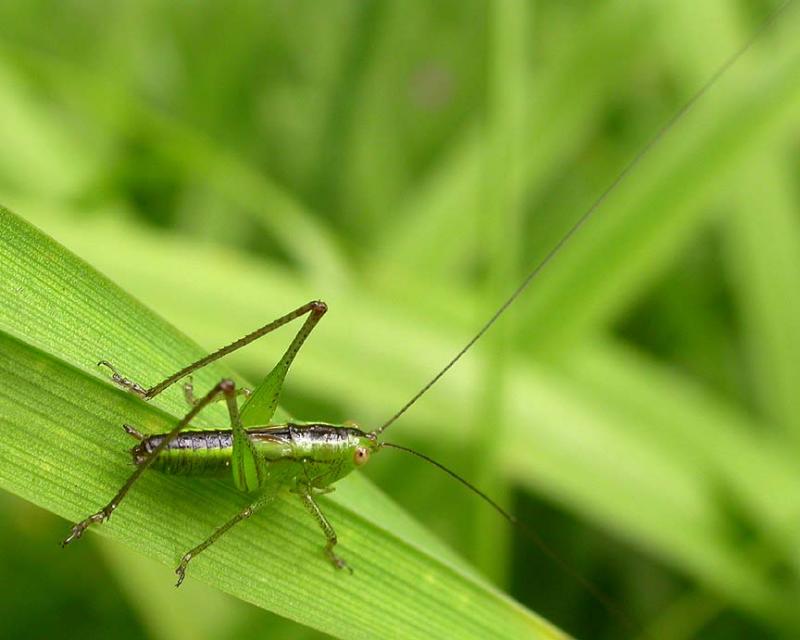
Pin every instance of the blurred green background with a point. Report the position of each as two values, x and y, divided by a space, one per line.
408 162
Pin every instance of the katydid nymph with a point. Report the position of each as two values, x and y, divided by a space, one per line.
305 458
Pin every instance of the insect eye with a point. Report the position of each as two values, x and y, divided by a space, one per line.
361 456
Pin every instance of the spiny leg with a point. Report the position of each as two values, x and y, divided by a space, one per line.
242 515
122 381
307 498
316 309
225 387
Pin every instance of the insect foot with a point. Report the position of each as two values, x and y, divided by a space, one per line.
188 392
133 432
121 381
336 561
83 525
181 570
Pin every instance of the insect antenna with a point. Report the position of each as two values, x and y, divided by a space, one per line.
534 537
576 226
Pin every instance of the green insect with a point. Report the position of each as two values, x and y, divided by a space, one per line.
263 458
305 458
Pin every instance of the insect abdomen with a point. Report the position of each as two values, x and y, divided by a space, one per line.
204 453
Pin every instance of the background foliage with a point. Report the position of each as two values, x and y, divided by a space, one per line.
407 161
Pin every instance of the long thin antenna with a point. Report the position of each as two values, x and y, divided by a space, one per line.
640 155
534 537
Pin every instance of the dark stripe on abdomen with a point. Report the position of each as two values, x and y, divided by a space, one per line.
190 453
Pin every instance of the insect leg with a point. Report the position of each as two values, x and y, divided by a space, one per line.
249 470
133 432
262 403
307 498
316 309
242 515
122 381
225 387
191 400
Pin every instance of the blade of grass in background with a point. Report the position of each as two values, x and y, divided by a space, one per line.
761 234
764 259
650 217
509 91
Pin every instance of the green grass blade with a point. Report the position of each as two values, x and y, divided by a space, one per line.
764 263
761 230
502 196
61 448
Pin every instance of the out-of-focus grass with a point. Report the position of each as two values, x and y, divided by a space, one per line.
371 154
